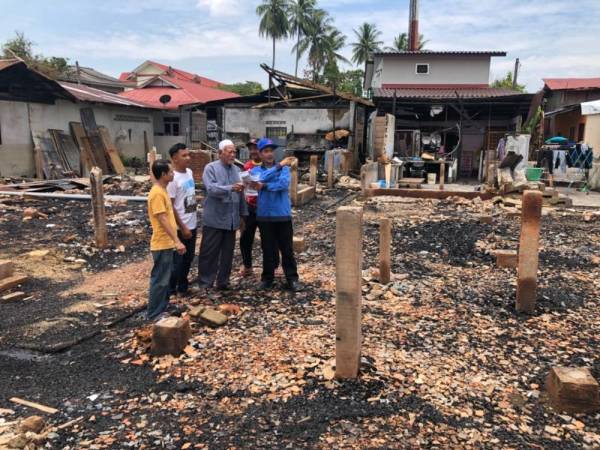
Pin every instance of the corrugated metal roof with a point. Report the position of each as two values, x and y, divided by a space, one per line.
89 94
443 52
555 84
445 93
87 75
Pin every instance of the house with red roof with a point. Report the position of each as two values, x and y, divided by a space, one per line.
178 94
166 87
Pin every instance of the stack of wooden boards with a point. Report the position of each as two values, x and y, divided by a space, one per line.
9 280
63 155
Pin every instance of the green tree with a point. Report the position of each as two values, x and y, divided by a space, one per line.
245 88
273 21
21 47
401 43
299 15
349 81
367 37
507 83
322 43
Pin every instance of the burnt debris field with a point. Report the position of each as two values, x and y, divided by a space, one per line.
446 360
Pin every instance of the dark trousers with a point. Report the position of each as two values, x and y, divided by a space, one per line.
216 257
247 238
182 264
278 237
158 296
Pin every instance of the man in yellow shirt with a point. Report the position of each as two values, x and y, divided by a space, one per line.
164 240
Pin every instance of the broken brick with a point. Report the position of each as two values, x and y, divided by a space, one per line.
506 258
7 268
299 244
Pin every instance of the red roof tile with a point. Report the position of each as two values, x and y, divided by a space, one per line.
555 84
183 96
4 63
445 93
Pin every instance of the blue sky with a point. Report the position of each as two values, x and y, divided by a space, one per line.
219 39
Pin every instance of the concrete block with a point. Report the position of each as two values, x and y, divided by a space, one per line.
299 244
7 268
213 318
170 336
196 311
507 258
573 390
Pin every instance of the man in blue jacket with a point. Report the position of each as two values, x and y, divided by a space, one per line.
274 216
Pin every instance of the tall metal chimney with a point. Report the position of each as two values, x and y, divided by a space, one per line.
413 26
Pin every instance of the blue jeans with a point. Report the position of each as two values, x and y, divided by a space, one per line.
158 297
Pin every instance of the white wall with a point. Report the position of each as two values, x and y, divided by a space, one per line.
16 156
442 70
16 150
301 120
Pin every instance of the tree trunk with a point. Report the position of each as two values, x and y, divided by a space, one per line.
273 66
297 52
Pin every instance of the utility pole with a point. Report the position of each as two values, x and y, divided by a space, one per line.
516 74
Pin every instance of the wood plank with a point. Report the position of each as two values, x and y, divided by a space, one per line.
68 148
51 163
7 268
34 405
11 282
12 297
85 149
98 151
112 151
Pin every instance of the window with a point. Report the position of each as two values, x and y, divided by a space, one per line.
422 69
276 132
171 126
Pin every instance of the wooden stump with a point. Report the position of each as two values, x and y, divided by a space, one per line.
348 277
442 174
385 250
299 244
529 251
294 183
573 390
98 208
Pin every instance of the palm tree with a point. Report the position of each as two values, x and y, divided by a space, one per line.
299 15
367 36
322 42
273 21
401 43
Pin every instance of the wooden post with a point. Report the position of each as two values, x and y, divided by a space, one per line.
346 155
348 277
385 250
529 251
314 163
442 173
490 167
98 207
330 160
151 159
39 163
294 183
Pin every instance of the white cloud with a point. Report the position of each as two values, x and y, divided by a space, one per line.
223 8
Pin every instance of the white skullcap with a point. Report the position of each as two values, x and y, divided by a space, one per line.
224 143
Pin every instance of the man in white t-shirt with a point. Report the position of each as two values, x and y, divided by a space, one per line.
182 191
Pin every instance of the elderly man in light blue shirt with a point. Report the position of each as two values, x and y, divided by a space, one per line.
223 213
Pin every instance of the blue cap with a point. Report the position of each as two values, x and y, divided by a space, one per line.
264 143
